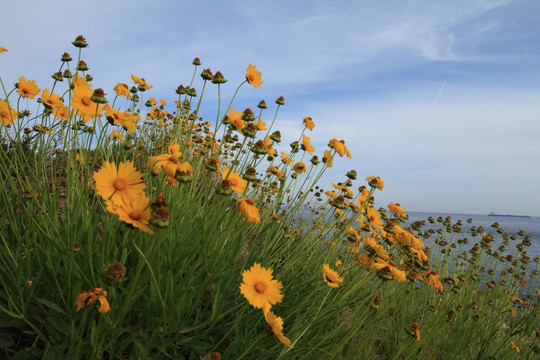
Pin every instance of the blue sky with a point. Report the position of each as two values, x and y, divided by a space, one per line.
441 99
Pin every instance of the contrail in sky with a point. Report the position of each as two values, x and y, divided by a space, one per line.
438 96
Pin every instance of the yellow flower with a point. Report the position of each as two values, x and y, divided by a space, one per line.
81 102
285 158
414 328
514 346
87 297
27 88
7 114
235 180
276 324
375 248
253 76
2 49
374 217
174 149
116 117
307 145
375 181
62 113
406 238
135 213
121 185
328 158
396 208
261 126
274 170
236 119
331 277
259 287
122 89
141 81
52 100
169 163
299 167
432 279
339 147
308 123
247 208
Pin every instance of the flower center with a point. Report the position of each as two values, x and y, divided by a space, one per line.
134 215
173 159
120 184
86 101
260 287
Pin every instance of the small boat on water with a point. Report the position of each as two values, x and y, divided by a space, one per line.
521 216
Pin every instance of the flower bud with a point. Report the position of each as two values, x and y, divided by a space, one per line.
249 130
191 92
196 61
114 274
98 96
315 160
248 115
280 100
259 148
250 174
67 74
224 188
160 218
80 42
88 78
276 136
262 104
81 66
294 146
57 76
351 174
218 78
207 74
66 57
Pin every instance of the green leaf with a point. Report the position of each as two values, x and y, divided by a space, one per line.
5 340
52 306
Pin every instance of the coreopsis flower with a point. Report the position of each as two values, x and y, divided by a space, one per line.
174 149
306 144
184 172
85 298
308 123
136 213
388 270
169 163
396 208
247 208
2 49
259 287
514 346
374 217
331 277
414 329
62 112
274 170
27 88
7 114
235 117
285 158
120 185
237 183
261 126
420 254
299 167
52 100
406 238
339 147
81 102
375 248
432 279
253 76
375 181
276 324
141 82
328 158
122 89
